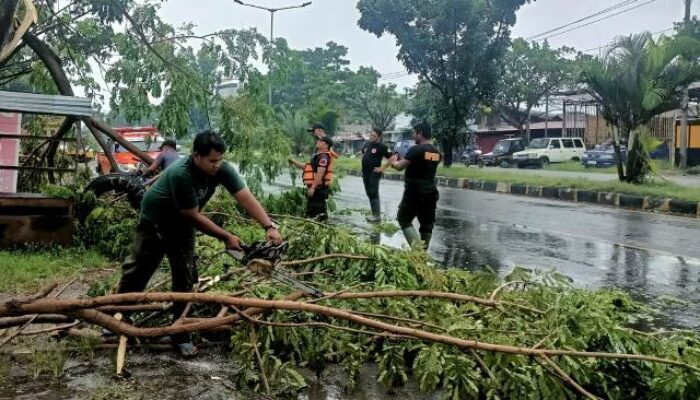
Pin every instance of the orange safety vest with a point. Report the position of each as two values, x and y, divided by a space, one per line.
309 176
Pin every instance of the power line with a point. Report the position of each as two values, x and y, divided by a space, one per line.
598 20
597 48
601 12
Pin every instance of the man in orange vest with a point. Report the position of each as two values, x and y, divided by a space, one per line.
318 176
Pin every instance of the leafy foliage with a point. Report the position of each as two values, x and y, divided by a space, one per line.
638 79
454 46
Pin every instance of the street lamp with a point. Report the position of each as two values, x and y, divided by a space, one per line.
272 12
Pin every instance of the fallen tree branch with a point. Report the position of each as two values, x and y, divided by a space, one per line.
323 257
431 294
503 286
254 342
566 378
80 308
52 329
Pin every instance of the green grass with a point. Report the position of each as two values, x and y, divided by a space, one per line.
577 167
25 271
657 188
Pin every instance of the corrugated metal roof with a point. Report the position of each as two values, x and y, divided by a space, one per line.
45 104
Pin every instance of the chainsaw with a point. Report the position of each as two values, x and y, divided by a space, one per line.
272 257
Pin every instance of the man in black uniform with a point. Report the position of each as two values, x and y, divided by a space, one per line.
317 176
420 194
372 170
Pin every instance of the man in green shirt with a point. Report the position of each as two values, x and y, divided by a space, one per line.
170 213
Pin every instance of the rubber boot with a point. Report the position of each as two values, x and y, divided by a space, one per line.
411 235
375 205
425 237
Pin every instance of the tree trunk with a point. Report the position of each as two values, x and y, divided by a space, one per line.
618 155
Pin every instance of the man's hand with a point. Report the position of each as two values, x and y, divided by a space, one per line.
310 192
273 236
232 242
378 170
291 162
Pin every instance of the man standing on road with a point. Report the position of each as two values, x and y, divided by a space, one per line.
170 213
420 194
317 176
168 155
372 170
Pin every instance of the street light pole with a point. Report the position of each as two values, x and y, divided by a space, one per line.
272 12
684 108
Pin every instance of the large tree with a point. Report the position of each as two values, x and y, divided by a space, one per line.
531 72
638 79
453 45
147 65
380 104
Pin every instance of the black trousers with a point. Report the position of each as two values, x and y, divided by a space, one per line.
316 205
150 246
371 182
419 205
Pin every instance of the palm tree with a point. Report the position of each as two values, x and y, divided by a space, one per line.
294 126
638 79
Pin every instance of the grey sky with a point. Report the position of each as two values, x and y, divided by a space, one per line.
336 20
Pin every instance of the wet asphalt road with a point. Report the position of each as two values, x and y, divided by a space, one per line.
652 256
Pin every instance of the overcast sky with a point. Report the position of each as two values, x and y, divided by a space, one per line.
336 20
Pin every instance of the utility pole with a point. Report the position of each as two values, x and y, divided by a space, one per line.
684 108
272 12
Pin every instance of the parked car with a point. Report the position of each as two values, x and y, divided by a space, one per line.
402 147
603 156
543 151
660 152
471 155
502 153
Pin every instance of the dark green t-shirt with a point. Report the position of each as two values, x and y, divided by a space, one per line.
183 186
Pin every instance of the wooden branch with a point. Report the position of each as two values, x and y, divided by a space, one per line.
114 135
410 321
431 294
49 330
483 365
81 308
30 18
566 378
100 141
503 286
323 257
41 319
254 342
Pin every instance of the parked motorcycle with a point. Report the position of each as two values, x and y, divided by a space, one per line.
471 157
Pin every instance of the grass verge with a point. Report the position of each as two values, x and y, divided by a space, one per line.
656 188
27 270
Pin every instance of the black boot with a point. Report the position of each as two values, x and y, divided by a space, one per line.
375 205
425 237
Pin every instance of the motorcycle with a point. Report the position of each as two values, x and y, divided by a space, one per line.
471 157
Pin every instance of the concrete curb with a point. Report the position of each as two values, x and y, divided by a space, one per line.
621 200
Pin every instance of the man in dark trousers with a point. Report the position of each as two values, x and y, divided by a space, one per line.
317 176
171 211
372 170
420 194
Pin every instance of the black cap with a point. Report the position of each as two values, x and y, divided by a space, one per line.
168 142
315 126
328 141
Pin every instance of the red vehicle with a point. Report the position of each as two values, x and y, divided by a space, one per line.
147 139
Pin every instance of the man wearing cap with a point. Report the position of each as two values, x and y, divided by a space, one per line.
318 176
420 194
168 155
319 131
